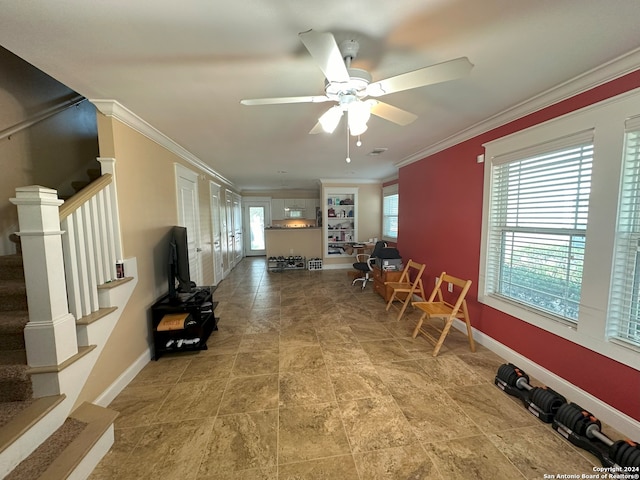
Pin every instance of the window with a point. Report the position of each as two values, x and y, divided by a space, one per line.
560 244
624 314
390 200
537 224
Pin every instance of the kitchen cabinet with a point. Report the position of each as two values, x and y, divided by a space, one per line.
297 203
277 209
311 205
306 205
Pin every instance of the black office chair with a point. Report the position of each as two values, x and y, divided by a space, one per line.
364 263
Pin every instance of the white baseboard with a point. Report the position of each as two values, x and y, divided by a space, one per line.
337 266
106 397
605 412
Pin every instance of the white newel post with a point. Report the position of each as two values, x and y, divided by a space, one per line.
108 165
50 335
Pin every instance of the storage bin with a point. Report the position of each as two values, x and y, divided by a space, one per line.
315 264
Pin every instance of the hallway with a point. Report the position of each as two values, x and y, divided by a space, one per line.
309 378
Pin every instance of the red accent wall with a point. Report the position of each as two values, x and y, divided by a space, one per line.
440 225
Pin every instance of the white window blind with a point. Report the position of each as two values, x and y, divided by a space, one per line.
538 218
624 306
390 200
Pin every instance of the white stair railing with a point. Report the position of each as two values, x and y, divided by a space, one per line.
69 249
89 244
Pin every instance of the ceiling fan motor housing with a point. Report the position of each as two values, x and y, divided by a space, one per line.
356 86
349 50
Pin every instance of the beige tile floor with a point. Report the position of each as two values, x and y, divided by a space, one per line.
309 378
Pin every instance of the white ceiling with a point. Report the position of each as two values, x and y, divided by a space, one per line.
183 67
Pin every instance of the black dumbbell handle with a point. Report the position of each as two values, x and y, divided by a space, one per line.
593 431
523 384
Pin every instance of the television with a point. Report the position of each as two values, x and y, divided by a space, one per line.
180 285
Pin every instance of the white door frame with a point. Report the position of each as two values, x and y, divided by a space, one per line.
187 181
248 202
238 237
228 205
216 233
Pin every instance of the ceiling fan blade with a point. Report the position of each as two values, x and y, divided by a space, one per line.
278 100
316 129
323 48
440 72
391 113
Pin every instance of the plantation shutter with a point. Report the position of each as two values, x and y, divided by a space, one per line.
537 224
624 305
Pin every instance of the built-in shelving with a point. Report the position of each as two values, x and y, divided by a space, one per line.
340 227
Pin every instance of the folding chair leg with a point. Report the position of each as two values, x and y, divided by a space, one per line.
443 335
422 296
393 296
465 313
404 307
416 330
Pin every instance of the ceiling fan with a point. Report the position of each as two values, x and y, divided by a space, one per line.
350 87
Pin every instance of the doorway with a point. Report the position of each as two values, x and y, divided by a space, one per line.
216 233
257 217
189 217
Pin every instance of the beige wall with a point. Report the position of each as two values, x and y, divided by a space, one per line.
305 242
369 211
145 176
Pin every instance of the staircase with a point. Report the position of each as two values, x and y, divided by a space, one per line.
15 384
50 338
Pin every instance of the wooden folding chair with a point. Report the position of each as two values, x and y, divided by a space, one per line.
440 308
406 287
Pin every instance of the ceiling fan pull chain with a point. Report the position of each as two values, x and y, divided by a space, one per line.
348 159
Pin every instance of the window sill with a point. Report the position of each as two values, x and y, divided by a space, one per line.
614 349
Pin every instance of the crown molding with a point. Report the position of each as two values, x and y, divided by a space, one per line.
112 108
598 76
349 181
392 178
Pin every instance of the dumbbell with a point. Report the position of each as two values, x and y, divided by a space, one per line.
543 402
584 430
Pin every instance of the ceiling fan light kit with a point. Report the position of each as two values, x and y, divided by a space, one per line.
350 87
358 114
330 119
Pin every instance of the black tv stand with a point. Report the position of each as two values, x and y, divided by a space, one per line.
201 308
182 297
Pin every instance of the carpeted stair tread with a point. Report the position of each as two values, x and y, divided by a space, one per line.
11 267
13 319
37 463
17 418
13 357
9 410
12 325
15 384
13 295
59 456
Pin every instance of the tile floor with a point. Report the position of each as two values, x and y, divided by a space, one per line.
309 378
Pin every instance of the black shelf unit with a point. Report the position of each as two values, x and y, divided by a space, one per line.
281 264
200 306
